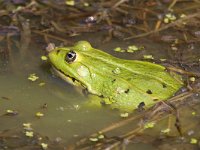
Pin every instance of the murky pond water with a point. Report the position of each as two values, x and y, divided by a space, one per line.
64 117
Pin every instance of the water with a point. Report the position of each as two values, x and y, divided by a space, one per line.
65 117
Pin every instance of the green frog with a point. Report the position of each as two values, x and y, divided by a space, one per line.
123 84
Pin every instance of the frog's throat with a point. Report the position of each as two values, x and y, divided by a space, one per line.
66 78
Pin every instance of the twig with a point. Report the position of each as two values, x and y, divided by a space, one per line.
172 4
51 36
183 71
179 21
119 3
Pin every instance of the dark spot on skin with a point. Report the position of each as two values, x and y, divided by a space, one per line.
155 99
73 79
101 96
149 92
141 107
57 51
127 91
113 80
164 85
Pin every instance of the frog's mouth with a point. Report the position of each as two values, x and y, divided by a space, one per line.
66 77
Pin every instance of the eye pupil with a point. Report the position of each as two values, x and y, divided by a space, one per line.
71 56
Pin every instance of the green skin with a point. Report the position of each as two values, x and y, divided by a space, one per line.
123 84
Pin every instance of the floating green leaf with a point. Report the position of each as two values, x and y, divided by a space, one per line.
167 130
29 133
193 113
33 77
10 112
149 125
193 141
93 139
124 115
192 79
42 83
44 146
27 126
39 114
148 57
70 2
118 49
169 17
101 136
163 59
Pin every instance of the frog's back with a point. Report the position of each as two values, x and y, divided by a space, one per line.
127 83
148 83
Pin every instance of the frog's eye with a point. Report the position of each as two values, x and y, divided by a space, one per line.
70 57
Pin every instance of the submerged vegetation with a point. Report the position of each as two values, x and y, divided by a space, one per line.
122 19
174 23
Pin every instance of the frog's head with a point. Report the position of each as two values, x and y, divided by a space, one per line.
68 62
